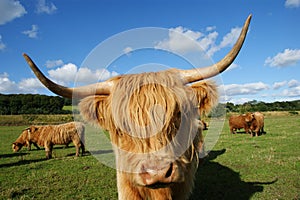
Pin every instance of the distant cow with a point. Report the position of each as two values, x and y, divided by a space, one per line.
240 121
23 140
50 135
257 125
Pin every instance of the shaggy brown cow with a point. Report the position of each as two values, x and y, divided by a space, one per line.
50 135
153 123
23 140
257 125
240 121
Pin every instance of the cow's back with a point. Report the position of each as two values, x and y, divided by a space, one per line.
56 134
237 122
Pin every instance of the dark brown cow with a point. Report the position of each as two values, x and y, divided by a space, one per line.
153 121
257 125
240 121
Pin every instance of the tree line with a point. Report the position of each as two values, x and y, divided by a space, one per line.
253 106
17 104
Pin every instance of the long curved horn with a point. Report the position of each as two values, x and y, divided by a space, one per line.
102 88
198 74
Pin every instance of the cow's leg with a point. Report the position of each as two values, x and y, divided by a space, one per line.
262 130
251 132
48 149
77 150
232 130
77 146
247 130
82 148
28 144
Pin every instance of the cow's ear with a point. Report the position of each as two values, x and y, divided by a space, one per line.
32 129
206 94
95 110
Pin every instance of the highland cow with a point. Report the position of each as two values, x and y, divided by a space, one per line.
240 121
50 135
257 125
23 140
153 122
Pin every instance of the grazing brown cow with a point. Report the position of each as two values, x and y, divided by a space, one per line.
50 135
153 123
23 140
257 125
240 121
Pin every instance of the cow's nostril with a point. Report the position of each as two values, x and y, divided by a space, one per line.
169 172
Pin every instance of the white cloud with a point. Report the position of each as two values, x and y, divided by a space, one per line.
278 85
182 40
33 32
283 59
293 92
43 7
69 73
30 85
239 100
54 63
232 66
64 74
127 50
9 10
210 28
243 89
87 76
241 93
6 85
293 83
2 45
228 40
292 3
208 43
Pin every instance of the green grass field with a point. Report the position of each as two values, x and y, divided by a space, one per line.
238 167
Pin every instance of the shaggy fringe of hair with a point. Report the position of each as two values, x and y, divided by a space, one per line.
148 107
142 107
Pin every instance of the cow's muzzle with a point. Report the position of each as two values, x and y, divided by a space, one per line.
157 175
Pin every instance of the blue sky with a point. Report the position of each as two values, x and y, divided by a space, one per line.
67 41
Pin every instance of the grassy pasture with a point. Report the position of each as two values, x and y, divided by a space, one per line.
239 167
